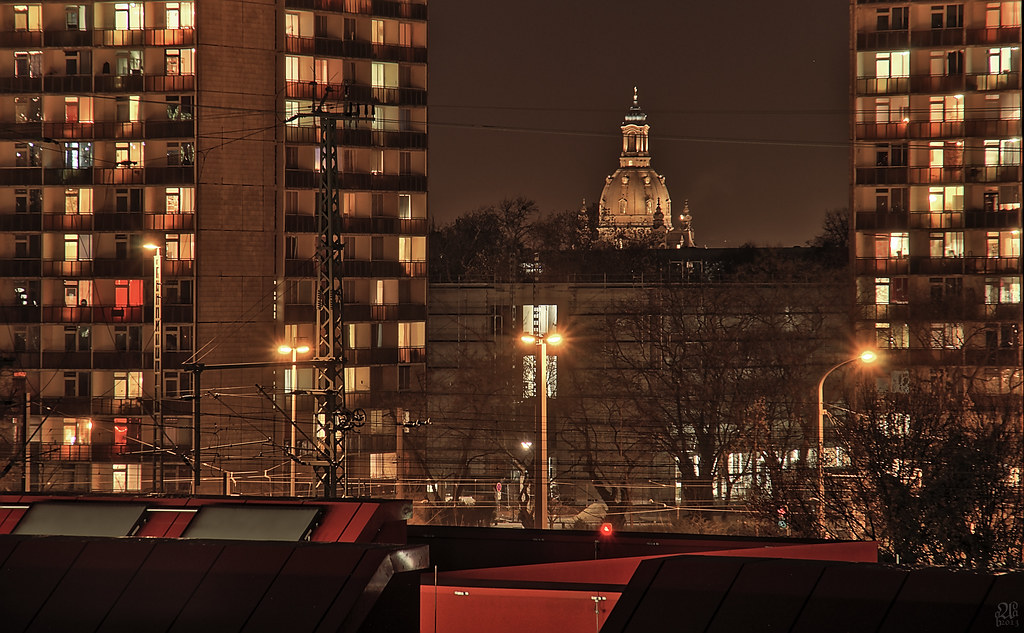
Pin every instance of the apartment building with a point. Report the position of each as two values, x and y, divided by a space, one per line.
187 126
936 188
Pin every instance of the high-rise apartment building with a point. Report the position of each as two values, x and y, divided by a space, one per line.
936 193
187 125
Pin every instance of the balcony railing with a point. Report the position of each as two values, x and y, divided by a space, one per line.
97 314
359 93
882 40
116 130
334 47
309 179
359 138
882 267
48 451
938 37
995 35
881 220
382 8
1000 81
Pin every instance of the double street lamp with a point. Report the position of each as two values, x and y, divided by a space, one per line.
866 356
541 343
294 351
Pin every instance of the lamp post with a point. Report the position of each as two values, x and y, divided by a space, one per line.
866 356
158 369
542 342
286 349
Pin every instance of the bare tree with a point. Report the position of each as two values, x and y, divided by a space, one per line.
931 477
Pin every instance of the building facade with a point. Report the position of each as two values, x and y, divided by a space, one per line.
656 398
123 124
936 188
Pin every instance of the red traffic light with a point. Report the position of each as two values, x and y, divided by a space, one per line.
605 529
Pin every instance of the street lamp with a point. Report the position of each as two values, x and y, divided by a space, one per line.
867 356
287 349
542 342
158 368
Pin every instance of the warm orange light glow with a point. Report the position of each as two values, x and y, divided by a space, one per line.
150 247
606 529
529 339
553 338
287 349
868 356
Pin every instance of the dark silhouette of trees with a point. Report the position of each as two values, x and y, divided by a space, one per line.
932 477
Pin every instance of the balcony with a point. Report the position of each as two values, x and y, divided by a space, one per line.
882 40
309 179
21 84
359 49
68 83
936 129
994 127
412 355
879 131
942 220
981 219
52 268
118 221
881 175
97 314
20 222
19 267
143 37
300 313
144 83
170 222
884 312
48 451
882 267
881 220
938 37
358 93
1001 81
21 39
66 360
126 360
71 177
381 8
133 130
882 86
19 314
968 173
21 176
994 36
65 39
359 138
938 83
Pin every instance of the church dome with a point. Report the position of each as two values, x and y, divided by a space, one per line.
635 192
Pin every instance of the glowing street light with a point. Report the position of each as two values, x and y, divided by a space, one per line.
158 369
867 356
542 342
294 351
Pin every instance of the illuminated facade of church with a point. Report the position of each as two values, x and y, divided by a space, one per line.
635 204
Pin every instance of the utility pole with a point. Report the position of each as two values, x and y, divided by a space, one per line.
332 412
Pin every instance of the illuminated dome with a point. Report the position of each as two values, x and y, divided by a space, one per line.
635 200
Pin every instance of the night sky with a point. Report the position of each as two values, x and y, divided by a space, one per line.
747 102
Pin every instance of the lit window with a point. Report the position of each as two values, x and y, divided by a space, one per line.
892 64
128 292
128 16
179 246
127 384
